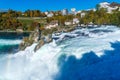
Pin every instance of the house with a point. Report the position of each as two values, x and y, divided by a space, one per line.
52 24
76 21
73 10
68 23
50 14
82 14
109 6
64 12
46 13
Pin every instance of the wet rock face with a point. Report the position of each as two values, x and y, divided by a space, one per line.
25 43
42 41
48 38
33 38
37 34
40 44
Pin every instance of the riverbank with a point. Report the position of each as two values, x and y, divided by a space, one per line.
16 31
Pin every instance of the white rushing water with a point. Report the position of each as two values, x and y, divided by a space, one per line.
43 64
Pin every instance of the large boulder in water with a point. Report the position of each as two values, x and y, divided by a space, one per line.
40 44
33 38
42 41
25 43
48 38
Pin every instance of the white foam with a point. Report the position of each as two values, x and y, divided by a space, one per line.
42 64
30 65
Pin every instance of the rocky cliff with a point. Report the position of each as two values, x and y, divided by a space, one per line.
35 37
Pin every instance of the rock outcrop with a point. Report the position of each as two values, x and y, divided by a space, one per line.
42 41
35 37
39 45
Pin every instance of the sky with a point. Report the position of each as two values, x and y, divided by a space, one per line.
44 5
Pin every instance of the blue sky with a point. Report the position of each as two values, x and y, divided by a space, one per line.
44 5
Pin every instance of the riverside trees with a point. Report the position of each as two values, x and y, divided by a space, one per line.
101 17
10 20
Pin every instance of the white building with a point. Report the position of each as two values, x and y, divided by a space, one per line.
50 14
76 21
82 14
104 5
73 10
64 12
68 23
52 24
108 6
46 13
